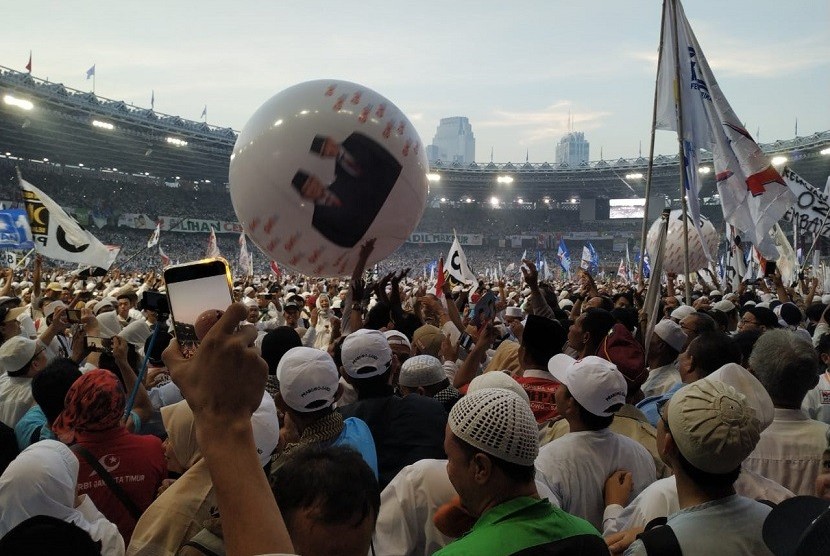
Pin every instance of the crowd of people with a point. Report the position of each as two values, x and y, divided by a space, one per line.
394 414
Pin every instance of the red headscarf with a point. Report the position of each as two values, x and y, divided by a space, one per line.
95 402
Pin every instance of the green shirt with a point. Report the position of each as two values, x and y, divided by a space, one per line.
523 523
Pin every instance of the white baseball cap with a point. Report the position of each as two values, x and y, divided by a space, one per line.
724 306
15 353
595 383
682 312
308 379
366 353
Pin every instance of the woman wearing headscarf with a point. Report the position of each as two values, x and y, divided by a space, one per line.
92 420
323 322
179 512
42 481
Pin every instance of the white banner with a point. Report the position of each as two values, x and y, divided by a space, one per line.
431 237
57 235
136 220
197 225
457 266
811 205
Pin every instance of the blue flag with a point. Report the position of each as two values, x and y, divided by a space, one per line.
564 256
90 72
594 257
14 230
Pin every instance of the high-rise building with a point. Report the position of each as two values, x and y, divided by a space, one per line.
572 149
453 141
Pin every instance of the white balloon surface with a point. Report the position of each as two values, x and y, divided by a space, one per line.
673 255
323 166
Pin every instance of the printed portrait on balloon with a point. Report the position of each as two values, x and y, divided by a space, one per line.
321 168
364 173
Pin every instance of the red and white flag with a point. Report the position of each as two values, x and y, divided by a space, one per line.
212 248
753 194
29 65
275 268
165 260
439 283
154 239
622 273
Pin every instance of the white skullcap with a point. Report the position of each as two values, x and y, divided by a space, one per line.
421 370
498 422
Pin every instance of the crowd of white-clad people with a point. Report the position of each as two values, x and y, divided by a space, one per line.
387 414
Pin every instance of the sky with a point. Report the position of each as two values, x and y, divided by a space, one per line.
518 70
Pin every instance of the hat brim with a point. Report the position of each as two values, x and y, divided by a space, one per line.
792 526
14 313
558 366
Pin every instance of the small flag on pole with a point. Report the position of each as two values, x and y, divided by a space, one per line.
165 260
29 65
204 112
152 100
154 239
90 72
212 248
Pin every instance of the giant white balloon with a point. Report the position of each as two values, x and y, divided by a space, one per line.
673 254
323 166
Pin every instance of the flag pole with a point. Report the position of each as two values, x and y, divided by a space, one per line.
651 151
682 153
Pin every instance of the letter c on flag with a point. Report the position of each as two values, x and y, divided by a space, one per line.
61 237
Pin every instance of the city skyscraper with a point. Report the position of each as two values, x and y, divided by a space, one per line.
572 149
453 142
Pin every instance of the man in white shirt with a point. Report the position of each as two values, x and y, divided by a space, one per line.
576 466
790 449
705 431
666 344
21 359
817 401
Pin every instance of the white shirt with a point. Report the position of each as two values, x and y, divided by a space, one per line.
15 398
789 451
817 401
576 466
731 525
408 504
659 499
661 379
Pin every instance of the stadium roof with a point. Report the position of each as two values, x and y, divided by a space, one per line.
72 127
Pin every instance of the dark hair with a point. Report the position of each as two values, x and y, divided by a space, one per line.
597 323
276 343
626 317
335 481
720 318
107 361
745 340
764 316
605 303
823 344
516 472
704 322
50 386
591 421
378 317
814 311
163 338
626 294
43 534
711 351
705 480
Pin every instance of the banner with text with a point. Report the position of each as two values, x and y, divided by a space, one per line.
811 205
463 239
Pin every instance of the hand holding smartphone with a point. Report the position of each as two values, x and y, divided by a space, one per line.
198 293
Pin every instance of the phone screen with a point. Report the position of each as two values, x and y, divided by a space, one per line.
94 343
73 316
193 289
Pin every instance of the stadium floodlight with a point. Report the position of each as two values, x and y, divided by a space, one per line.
520 201
8 154
432 178
494 201
23 104
778 160
80 165
115 169
573 200
504 179
546 200
634 176
177 142
102 125
704 170
45 160
822 151
468 200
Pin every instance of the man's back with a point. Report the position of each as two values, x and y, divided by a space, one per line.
528 526
405 430
789 451
730 525
576 466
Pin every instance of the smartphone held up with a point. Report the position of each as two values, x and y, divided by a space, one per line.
198 293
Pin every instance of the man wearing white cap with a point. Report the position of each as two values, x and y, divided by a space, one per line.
21 359
424 375
576 466
404 429
491 445
706 431
666 344
309 388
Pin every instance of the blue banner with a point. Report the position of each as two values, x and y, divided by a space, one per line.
14 230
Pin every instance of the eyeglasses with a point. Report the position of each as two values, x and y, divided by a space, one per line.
745 321
660 405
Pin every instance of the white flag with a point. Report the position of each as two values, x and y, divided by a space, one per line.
244 256
154 239
653 297
165 260
457 266
585 263
787 263
753 194
59 236
212 248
